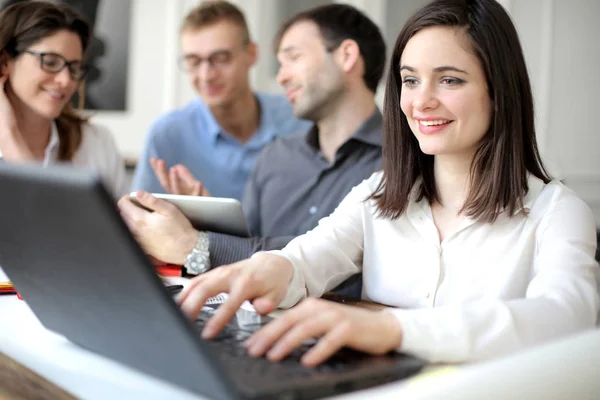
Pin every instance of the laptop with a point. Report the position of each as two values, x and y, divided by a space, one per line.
74 261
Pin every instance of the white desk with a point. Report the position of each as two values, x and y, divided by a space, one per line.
82 373
569 368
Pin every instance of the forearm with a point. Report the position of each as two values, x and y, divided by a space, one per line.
490 328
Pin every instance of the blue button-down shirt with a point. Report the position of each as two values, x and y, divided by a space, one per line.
191 136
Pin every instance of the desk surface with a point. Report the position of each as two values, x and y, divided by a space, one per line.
565 369
19 382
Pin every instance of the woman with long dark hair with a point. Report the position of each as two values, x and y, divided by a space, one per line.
464 235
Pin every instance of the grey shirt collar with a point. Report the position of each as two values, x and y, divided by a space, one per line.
369 132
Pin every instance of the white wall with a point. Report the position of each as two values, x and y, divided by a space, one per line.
560 40
559 37
149 67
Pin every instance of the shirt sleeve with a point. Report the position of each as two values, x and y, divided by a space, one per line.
144 177
226 249
252 190
561 298
332 252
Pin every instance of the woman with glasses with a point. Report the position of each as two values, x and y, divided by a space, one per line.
42 46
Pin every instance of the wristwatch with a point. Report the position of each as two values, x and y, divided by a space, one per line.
198 261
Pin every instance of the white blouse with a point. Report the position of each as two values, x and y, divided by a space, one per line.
98 152
486 290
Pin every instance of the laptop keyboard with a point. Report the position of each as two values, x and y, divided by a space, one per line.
229 347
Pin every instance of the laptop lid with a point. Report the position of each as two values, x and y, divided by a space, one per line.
73 259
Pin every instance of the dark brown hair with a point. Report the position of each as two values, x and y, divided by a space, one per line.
210 12
26 23
338 22
508 151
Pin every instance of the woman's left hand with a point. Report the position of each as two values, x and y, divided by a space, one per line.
336 326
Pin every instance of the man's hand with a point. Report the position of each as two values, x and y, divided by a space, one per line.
165 233
178 179
336 326
262 279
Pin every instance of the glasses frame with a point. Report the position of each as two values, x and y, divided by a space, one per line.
209 59
83 68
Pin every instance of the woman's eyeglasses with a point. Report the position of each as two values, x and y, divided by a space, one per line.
54 63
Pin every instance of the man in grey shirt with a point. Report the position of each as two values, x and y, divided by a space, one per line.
332 59
293 186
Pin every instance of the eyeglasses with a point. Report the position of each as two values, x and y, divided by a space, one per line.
54 63
219 60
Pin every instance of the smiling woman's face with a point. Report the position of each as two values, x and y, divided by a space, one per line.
45 93
444 92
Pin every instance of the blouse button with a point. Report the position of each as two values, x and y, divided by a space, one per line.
312 210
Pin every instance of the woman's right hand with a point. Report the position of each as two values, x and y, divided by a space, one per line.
262 279
178 180
12 144
8 121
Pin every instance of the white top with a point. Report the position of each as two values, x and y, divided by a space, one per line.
486 290
98 151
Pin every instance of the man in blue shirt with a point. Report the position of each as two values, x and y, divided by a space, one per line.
218 135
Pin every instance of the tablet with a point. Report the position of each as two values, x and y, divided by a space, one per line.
214 214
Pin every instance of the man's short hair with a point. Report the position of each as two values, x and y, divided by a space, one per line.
210 12
338 22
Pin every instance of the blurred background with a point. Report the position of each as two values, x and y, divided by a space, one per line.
136 77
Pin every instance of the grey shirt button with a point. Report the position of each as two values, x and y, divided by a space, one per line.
312 210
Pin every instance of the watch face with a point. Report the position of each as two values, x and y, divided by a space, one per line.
198 261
